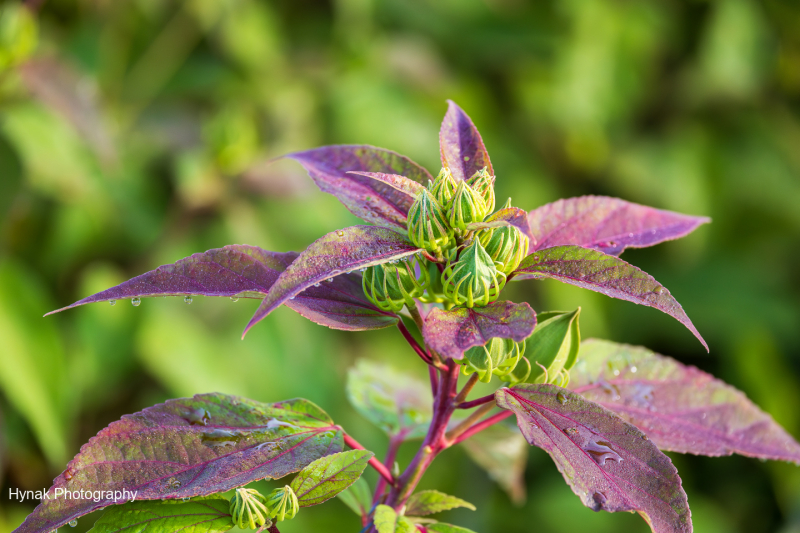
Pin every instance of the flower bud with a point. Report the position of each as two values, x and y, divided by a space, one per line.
467 207
498 357
283 504
473 279
443 188
506 245
520 373
391 286
249 509
554 347
483 183
427 226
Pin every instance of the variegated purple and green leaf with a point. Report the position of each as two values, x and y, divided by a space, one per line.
189 447
337 253
451 333
608 463
461 146
241 271
401 190
606 224
508 216
681 408
369 199
594 270
328 476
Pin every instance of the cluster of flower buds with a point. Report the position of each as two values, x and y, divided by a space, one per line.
283 504
471 278
506 245
391 286
498 357
249 509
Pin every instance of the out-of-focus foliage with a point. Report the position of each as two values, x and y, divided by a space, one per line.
137 132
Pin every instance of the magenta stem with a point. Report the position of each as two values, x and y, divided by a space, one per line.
413 342
434 375
394 444
374 463
476 402
480 426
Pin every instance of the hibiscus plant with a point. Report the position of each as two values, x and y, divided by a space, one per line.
434 258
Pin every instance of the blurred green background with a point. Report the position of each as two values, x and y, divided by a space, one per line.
137 132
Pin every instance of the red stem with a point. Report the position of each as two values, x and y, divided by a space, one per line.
434 375
413 342
388 461
480 426
374 463
476 402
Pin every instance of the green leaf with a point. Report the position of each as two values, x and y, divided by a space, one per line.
395 402
385 519
439 527
502 451
432 501
201 515
328 476
404 525
554 345
357 497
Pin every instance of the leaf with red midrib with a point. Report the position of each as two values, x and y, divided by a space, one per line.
680 408
189 447
461 145
608 463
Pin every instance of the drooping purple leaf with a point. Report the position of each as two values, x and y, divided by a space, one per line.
606 224
451 333
461 145
242 271
608 463
508 216
680 408
332 255
401 190
369 199
185 448
594 270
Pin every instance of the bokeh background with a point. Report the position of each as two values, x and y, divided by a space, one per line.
137 132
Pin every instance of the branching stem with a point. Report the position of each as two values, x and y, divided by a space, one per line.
413 342
467 422
480 426
476 402
473 379
394 444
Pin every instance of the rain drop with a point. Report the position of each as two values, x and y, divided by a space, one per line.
601 452
234 298
561 397
340 233
634 369
537 258
112 302
185 499
317 284
69 473
136 301
599 500
658 290
73 523
291 297
187 299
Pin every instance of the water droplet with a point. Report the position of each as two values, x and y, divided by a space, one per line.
634 369
69 473
187 299
198 417
317 284
601 452
185 499
466 158
340 233
641 395
644 437
571 431
608 388
73 523
362 269
537 258
234 299
173 483
616 372
561 397
112 302
658 290
136 301
599 500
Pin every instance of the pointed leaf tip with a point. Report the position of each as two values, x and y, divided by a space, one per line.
461 146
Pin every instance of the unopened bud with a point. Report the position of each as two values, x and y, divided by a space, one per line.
443 188
467 207
283 504
506 245
249 509
390 287
473 280
498 357
483 183
427 226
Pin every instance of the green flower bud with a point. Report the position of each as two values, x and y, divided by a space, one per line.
443 188
483 183
473 280
434 292
520 372
468 206
427 226
249 509
507 246
283 504
554 347
498 357
390 286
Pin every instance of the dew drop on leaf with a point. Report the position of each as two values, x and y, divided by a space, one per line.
73 523
185 499
340 233
112 302
599 500
658 290
601 452
187 299
317 284
561 397
136 301
234 298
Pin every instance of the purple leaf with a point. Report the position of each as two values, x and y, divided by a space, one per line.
369 199
603 273
248 272
606 224
680 408
185 448
334 254
508 216
403 189
608 463
451 333
461 145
